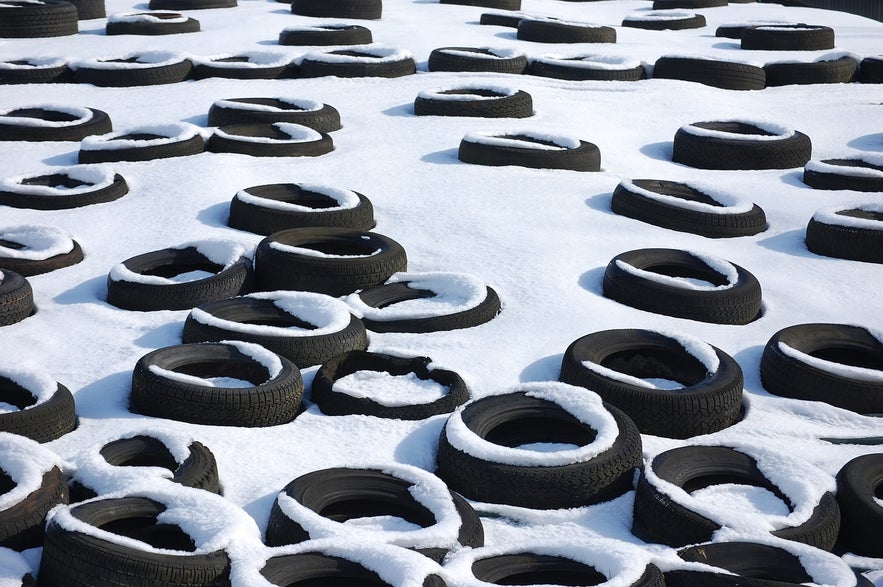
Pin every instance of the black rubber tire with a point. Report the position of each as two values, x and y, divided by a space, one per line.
727 75
550 31
316 68
22 524
34 71
146 28
270 402
31 267
694 21
357 9
707 403
46 18
356 268
788 37
89 9
489 103
282 145
498 4
834 71
77 129
668 214
787 376
715 152
226 282
303 351
381 296
327 34
529 568
486 60
667 4
831 180
335 403
325 119
660 519
76 559
315 567
600 479
266 220
61 201
847 242
585 157
181 148
179 5
219 68
170 73
501 19
42 422
342 494
560 69
871 70
858 483
16 298
738 304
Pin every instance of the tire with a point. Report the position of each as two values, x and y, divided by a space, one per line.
585 67
738 303
35 245
244 66
483 149
178 5
307 567
342 494
552 31
52 123
150 24
787 374
326 34
668 4
21 524
788 37
359 61
357 9
42 421
708 402
266 209
679 206
269 402
497 4
530 568
858 482
41 192
476 59
727 75
74 558
357 260
35 71
661 21
16 298
660 519
503 19
89 9
173 70
46 18
871 70
276 139
847 233
239 319
318 116
513 419
143 144
834 71
227 280
856 174
335 403
474 102
729 145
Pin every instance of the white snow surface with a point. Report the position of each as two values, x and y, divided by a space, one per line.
297 133
13 567
729 204
146 17
24 461
39 242
834 368
454 292
541 237
41 385
831 215
345 199
220 252
168 133
507 139
94 179
303 104
390 390
850 170
780 131
83 115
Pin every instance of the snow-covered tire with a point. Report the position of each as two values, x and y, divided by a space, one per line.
143 283
270 139
727 75
89 9
335 261
136 69
521 416
474 101
143 144
67 188
669 4
45 407
336 403
273 399
682 207
357 9
871 70
827 71
586 67
246 66
497 4
22 19
541 30
858 483
52 123
318 116
266 209
509 19
861 174
482 59
734 144
659 518
178 5
286 323
341 494
359 61
35 70
350 566
529 149
648 279
150 24
847 232
708 401
664 20
34 250
838 364
16 298
326 34
788 37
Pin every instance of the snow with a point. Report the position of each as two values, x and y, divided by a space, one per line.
24 461
39 384
38 242
390 390
82 115
779 131
33 63
255 59
541 237
454 292
300 104
94 178
657 15
832 215
13 567
345 199
509 139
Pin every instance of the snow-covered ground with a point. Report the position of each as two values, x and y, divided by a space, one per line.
540 238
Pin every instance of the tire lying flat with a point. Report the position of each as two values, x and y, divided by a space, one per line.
529 149
16 298
727 75
52 123
847 232
45 412
71 187
474 101
318 116
735 144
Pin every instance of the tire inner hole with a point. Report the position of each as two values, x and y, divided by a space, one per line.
138 451
343 248
536 570
294 194
740 128
54 180
148 530
175 269
533 140
676 190
15 395
474 92
272 102
11 244
269 131
233 59
138 136
657 364
6 483
265 314
42 114
683 272
373 504
249 371
541 430
864 214
705 481
850 356
853 163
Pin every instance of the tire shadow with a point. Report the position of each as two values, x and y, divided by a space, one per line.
601 203
446 157
794 178
749 360
790 243
593 280
545 369
405 110
728 46
661 151
106 398
87 292
216 215
161 337
419 447
871 142
508 35
66 160
198 120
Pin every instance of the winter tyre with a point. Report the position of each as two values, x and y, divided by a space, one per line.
35 70
477 59
359 61
529 149
845 232
586 67
276 139
16 298
668 4
733 144
479 102
871 70
318 116
497 4
45 412
245 66
788 37
357 9
143 144
326 34
861 174
52 123
137 69
34 250
179 5
858 485
727 75
150 24
827 71
23 19
664 20
555 31
68 188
